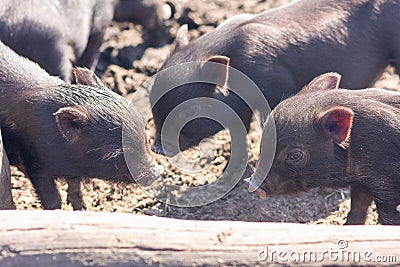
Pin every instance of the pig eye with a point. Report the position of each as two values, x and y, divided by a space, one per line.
193 111
296 158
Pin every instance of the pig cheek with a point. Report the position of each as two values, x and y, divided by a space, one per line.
279 184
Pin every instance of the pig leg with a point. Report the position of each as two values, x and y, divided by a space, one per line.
47 192
387 200
395 61
6 199
387 212
396 65
90 55
360 201
55 57
65 68
74 194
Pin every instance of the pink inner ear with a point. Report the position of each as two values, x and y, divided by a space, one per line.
337 123
217 73
342 125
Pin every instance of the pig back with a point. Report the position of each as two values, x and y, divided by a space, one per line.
18 76
18 73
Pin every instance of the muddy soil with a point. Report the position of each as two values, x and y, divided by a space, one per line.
126 62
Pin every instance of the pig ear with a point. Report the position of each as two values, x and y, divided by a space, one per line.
217 73
325 81
70 121
336 124
182 37
84 76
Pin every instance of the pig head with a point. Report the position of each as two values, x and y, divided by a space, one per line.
330 137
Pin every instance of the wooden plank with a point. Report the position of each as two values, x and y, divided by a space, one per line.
65 238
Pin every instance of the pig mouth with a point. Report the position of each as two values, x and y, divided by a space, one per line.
287 188
252 187
148 177
270 188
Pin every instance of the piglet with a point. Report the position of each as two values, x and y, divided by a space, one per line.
52 129
331 137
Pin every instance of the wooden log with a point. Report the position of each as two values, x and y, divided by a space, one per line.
66 238
6 201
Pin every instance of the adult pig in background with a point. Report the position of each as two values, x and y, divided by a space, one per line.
52 129
60 33
281 50
330 137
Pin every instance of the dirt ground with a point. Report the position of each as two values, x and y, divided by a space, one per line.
126 62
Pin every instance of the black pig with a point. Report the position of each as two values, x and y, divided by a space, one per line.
281 50
330 137
60 33
52 129
149 13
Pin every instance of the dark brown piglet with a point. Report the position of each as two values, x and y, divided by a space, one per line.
52 129
61 33
330 137
281 50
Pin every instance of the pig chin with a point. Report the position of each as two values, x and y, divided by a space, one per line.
143 177
278 186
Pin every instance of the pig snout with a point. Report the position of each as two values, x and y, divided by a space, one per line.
254 187
276 185
153 172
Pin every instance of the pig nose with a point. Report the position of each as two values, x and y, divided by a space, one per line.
252 187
